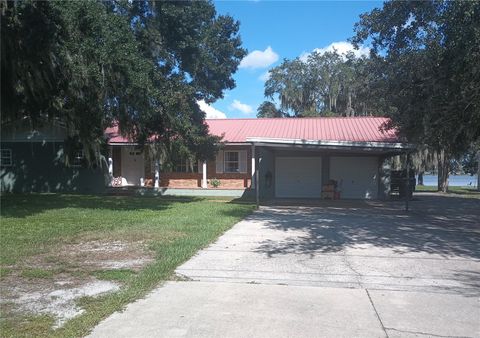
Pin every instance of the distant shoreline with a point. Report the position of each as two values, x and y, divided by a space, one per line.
453 180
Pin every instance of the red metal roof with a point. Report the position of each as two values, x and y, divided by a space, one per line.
114 136
353 129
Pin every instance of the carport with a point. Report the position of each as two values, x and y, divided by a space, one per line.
299 168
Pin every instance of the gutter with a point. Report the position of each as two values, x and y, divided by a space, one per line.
300 142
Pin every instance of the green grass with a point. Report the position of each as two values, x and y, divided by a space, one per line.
175 228
467 191
121 275
37 273
4 272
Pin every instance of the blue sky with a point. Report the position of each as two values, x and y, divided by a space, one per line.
290 29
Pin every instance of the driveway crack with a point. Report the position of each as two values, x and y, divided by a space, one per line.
358 275
376 313
424 333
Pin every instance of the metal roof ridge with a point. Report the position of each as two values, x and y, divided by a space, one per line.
299 118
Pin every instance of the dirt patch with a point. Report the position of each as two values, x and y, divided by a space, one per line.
70 268
95 255
52 297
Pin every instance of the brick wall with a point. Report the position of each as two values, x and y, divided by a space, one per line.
227 180
181 180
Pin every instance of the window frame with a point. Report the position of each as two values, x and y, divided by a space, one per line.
10 157
225 161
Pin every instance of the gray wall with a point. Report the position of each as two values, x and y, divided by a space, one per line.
266 168
39 167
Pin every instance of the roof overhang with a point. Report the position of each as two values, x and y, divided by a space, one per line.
334 145
123 144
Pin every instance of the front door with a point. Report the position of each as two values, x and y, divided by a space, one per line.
133 167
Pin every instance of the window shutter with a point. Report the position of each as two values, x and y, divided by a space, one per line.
219 162
242 158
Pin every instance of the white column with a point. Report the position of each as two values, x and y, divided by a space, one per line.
110 166
110 170
157 174
204 175
254 178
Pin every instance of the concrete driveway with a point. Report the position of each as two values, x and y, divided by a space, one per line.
343 269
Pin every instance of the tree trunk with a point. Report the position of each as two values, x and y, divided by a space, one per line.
478 170
349 104
420 178
443 171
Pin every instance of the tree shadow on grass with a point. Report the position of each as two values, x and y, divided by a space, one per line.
23 205
447 226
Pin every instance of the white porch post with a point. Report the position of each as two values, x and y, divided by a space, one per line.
257 191
110 166
204 175
157 174
254 178
110 169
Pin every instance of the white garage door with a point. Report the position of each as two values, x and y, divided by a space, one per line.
356 176
298 177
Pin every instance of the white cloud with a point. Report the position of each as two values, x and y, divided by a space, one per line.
211 112
259 59
342 48
265 76
244 108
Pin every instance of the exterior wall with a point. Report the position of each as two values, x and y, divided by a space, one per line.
181 180
266 166
266 169
39 167
227 180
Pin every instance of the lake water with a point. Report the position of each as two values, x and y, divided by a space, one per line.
453 180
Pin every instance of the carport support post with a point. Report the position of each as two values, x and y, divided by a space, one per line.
257 189
407 193
253 184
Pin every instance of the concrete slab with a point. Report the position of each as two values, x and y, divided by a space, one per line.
345 248
196 309
351 270
427 314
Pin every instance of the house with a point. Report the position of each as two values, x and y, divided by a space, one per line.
276 158
33 160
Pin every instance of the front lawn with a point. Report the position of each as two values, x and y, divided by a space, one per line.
466 191
67 242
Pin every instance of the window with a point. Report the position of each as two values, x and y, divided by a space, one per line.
185 166
6 157
78 157
232 162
